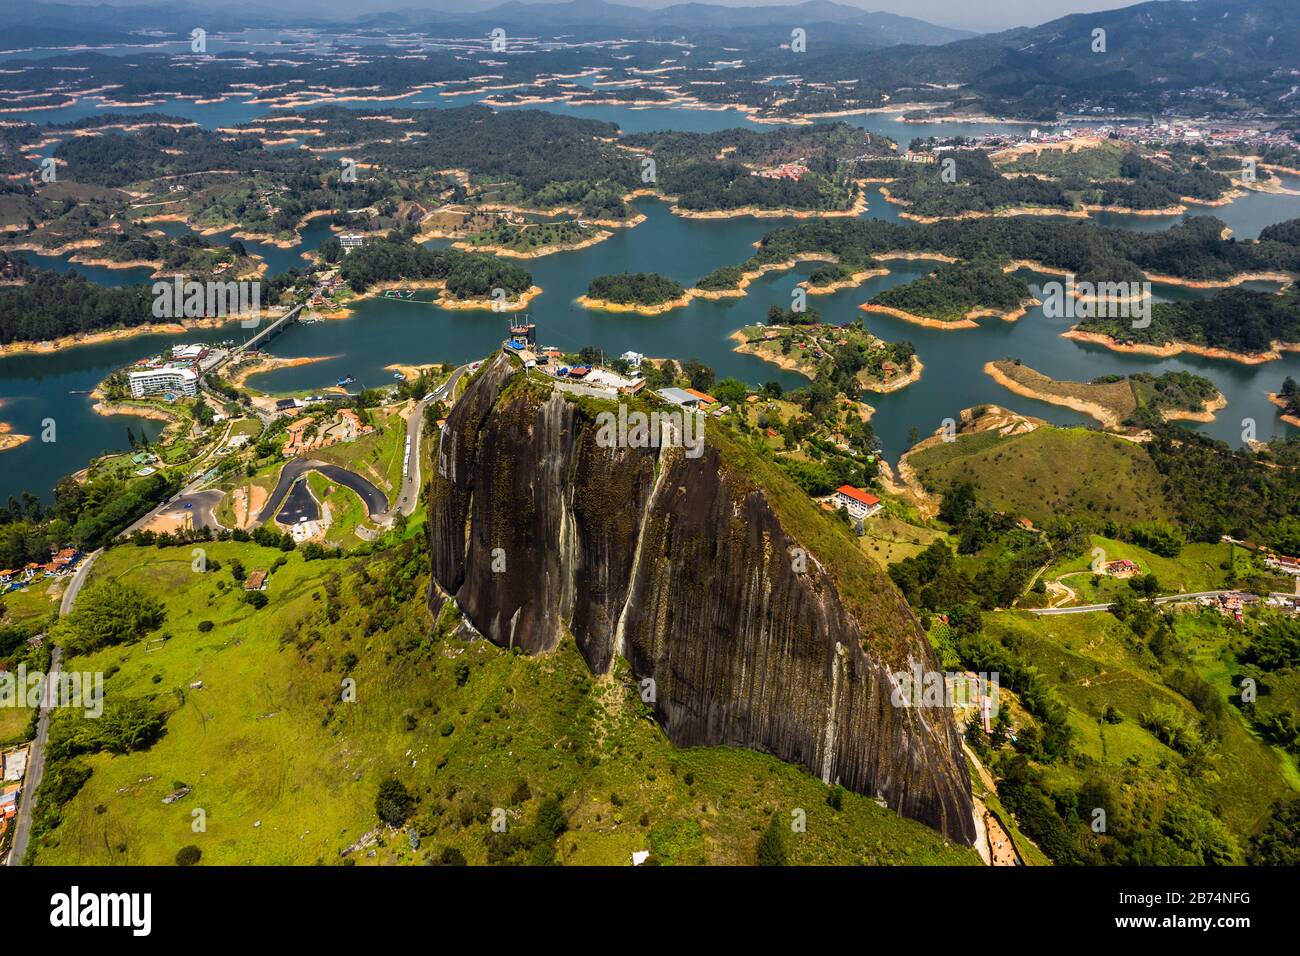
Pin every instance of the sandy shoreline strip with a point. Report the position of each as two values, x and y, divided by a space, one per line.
1101 413
587 302
1170 349
112 335
1281 403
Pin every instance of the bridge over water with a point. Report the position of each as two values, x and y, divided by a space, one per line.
260 338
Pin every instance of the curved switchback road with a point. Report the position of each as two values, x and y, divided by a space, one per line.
375 502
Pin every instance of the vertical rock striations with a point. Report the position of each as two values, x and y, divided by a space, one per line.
688 568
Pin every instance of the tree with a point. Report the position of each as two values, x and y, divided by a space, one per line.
771 845
188 855
130 725
700 375
108 614
1278 842
203 413
393 803
451 856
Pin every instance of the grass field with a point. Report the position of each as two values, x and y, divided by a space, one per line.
347 510
231 510
1099 162
287 773
34 604
30 607
1024 475
377 456
889 539
1197 568
1090 661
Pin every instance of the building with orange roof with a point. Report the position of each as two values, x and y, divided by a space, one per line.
858 503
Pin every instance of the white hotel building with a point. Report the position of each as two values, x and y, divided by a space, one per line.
182 381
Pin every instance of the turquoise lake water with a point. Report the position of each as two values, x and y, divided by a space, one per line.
383 332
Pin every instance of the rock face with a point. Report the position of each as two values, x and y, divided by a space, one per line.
685 567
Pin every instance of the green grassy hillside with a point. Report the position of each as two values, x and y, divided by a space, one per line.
288 773
1106 478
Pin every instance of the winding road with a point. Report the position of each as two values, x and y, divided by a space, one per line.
375 502
408 496
36 755
1167 599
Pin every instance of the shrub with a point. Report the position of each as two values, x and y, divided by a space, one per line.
393 803
188 855
771 845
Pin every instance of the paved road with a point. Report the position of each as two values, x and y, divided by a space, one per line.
375 502
1167 599
408 496
36 755
204 501
199 504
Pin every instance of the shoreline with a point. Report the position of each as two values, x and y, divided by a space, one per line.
443 301
174 327
1206 414
851 282
913 376
660 308
412 373
1281 403
1170 349
967 321
508 253
786 363
1106 416
9 439
269 363
858 207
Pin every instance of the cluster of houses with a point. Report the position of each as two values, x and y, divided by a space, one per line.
346 425
61 564
327 284
791 171
13 768
1230 604
1272 559
1155 134
1282 562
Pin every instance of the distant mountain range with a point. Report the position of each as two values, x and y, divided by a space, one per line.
1190 56
1195 56
92 23
852 23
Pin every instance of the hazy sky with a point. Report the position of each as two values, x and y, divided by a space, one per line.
985 16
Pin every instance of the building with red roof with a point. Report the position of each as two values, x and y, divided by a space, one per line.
858 503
